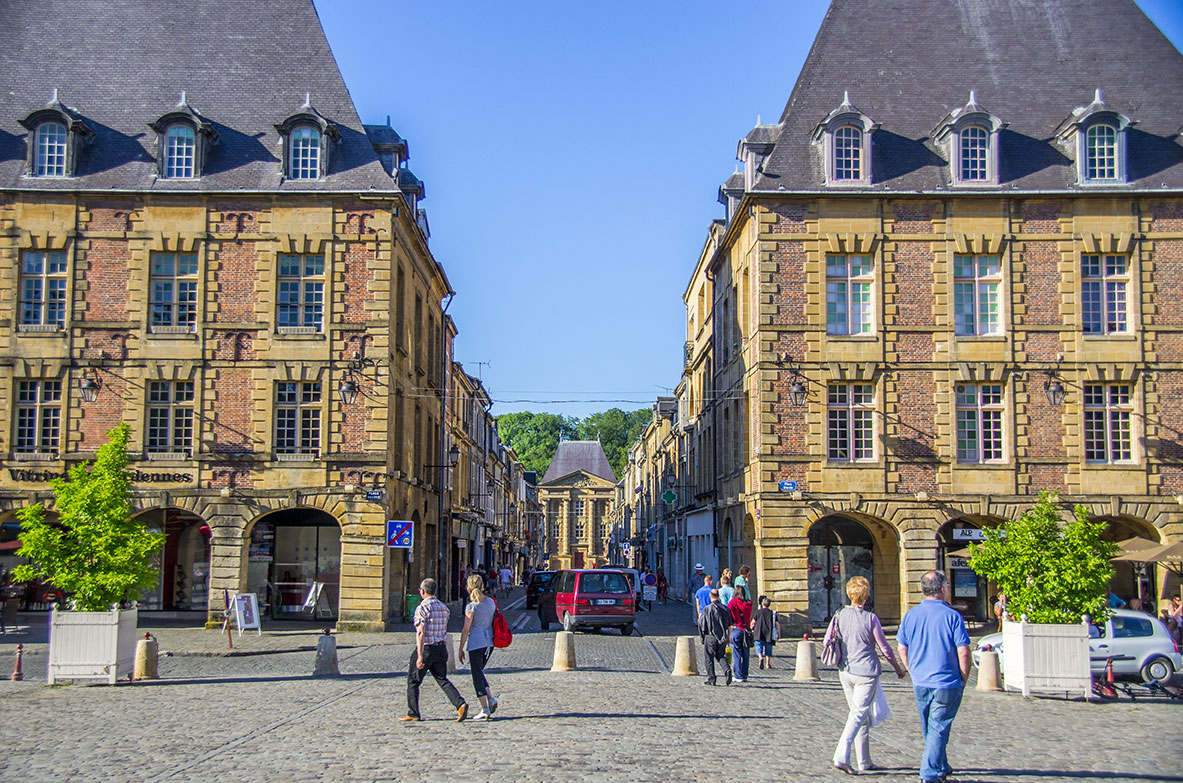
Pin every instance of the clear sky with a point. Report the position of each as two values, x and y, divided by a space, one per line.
572 154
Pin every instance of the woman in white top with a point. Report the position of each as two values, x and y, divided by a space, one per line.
477 639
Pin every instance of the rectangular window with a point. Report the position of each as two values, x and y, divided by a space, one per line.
1103 287
173 287
51 150
977 281
170 416
848 294
979 422
43 289
1107 412
577 521
850 422
301 291
38 417
297 418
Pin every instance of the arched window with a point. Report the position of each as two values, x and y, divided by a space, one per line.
848 153
975 142
50 160
180 152
304 158
1101 149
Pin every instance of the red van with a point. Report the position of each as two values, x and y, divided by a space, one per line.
588 598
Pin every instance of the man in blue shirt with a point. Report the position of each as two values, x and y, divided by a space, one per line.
703 596
934 645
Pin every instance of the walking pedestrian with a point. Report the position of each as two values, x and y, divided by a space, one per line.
714 625
742 579
506 580
1000 609
694 583
430 654
934 646
860 633
726 591
477 640
741 635
663 587
703 596
764 629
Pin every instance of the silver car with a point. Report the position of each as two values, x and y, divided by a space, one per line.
1141 640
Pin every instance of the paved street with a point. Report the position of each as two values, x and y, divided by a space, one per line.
258 715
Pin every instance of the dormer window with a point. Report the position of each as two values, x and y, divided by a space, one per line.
50 153
180 152
307 138
1097 135
1101 152
57 134
975 141
183 142
304 155
845 139
969 136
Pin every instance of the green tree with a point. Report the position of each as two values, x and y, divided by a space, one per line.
535 436
1049 571
616 430
96 553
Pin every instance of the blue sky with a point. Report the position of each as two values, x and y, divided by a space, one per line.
572 154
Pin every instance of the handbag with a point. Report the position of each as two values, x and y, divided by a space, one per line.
775 628
834 650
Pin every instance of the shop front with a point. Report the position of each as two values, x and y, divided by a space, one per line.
971 595
294 564
184 562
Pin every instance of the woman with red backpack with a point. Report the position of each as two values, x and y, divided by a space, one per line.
477 640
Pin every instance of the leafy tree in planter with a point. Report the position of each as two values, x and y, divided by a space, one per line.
1050 571
96 553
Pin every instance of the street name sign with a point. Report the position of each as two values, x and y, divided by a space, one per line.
788 486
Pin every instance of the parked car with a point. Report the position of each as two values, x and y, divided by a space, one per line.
1152 654
634 577
536 585
588 598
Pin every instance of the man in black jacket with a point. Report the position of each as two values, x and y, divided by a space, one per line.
714 625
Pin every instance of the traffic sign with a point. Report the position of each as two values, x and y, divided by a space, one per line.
400 534
669 496
788 486
650 579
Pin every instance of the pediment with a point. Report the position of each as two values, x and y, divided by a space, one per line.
580 478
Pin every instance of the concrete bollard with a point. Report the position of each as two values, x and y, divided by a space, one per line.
17 673
564 660
806 662
685 658
989 672
147 658
326 656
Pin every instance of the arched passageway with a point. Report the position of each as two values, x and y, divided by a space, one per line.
839 548
294 563
184 562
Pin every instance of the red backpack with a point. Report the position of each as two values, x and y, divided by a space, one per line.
502 636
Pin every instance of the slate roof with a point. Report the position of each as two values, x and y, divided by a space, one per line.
245 65
908 63
576 455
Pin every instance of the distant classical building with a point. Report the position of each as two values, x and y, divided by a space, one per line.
576 497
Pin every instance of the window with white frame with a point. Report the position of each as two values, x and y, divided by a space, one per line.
848 294
1101 152
297 417
301 291
578 509
1104 285
50 152
848 153
38 417
304 153
180 152
851 422
43 289
977 302
1108 408
170 417
975 146
173 287
979 422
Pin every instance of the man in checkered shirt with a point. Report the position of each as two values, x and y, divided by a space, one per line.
431 655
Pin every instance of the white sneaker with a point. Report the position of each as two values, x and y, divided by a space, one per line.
482 715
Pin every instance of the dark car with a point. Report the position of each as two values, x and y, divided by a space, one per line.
537 584
592 598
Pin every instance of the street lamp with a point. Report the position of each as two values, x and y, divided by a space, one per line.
89 386
348 391
1054 390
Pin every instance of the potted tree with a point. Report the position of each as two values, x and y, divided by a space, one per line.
1054 574
96 554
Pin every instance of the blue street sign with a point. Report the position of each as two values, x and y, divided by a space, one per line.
788 486
374 495
400 534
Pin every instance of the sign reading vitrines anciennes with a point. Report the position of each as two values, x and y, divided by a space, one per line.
135 476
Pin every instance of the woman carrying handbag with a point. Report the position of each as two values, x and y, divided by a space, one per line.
853 635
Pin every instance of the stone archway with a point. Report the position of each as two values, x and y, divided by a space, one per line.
293 553
969 593
844 544
183 563
1130 579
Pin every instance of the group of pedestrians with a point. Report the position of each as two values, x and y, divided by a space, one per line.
727 623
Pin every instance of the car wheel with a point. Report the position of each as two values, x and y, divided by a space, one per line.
626 630
542 621
1157 668
568 622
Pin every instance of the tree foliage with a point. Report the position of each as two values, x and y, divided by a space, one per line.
616 430
1050 571
96 552
536 436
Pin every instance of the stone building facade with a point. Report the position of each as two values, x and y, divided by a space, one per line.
576 498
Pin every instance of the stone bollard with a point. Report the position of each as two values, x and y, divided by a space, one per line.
806 661
989 671
147 657
326 656
685 658
17 674
564 660
451 647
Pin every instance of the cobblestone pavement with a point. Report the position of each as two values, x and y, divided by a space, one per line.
620 717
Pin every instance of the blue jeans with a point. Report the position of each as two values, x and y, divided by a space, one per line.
740 654
937 708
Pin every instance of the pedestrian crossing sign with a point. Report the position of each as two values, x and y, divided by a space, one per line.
400 533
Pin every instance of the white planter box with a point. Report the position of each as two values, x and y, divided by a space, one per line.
92 645
1050 658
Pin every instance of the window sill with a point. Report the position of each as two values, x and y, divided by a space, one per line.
863 338
34 456
299 332
985 465
981 338
1120 336
44 330
172 331
1111 465
285 457
854 464
166 456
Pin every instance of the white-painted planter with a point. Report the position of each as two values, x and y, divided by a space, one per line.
92 645
1044 657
